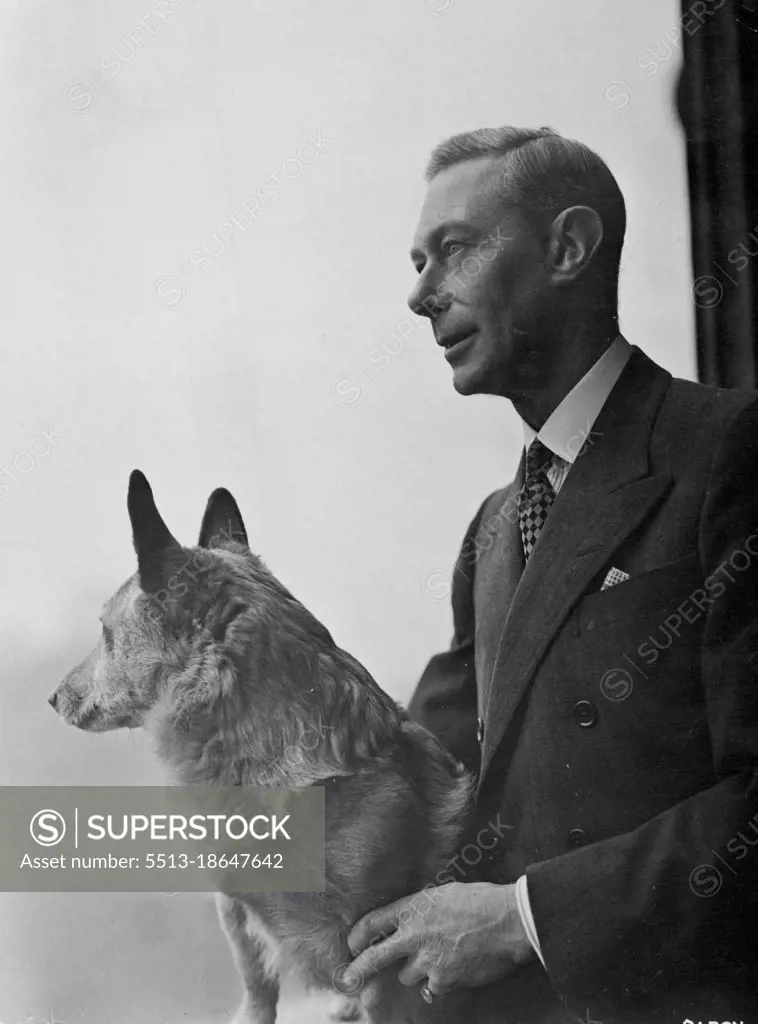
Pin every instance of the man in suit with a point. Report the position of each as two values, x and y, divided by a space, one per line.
603 674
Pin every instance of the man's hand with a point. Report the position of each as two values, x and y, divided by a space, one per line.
457 935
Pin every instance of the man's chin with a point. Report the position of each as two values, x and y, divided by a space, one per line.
469 380
463 385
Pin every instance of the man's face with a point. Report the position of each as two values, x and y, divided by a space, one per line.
484 280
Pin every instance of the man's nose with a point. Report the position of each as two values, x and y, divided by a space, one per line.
53 700
428 299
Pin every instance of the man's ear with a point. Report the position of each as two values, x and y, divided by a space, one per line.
152 539
222 523
576 234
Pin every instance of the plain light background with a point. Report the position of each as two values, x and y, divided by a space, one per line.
259 371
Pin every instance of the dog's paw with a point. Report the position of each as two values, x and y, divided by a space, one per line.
345 1008
249 1014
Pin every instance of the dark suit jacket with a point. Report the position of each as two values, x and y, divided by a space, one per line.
618 733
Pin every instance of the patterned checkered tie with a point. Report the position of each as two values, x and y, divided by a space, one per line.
537 495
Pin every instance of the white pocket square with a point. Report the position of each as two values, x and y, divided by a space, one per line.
614 576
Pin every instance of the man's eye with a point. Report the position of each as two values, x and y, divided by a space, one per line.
107 636
452 248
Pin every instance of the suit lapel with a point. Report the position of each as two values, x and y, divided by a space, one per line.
607 494
497 581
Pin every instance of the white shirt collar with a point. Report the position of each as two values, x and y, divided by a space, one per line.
566 428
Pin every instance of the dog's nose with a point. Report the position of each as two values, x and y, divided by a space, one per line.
53 699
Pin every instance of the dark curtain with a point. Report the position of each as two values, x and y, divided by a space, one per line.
717 100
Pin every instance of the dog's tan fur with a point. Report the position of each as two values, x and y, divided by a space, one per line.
240 685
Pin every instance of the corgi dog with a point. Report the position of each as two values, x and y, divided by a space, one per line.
239 685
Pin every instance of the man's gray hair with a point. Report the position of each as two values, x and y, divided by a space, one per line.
545 173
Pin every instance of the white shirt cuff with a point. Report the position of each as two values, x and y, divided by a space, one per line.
525 910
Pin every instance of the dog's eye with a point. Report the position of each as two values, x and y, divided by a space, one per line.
107 636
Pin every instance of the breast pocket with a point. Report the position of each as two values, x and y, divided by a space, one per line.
643 596
637 646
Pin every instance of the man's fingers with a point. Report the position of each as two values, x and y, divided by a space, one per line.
375 959
376 925
438 987
414 972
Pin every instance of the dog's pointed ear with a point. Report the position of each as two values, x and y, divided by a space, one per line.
222 523
153 540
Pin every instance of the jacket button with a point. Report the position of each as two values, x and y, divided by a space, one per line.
585 713
589 625
577 837
480 730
